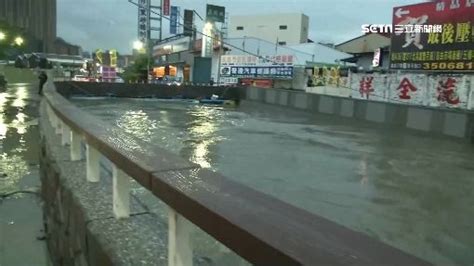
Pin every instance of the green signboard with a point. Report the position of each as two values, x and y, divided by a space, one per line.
215 13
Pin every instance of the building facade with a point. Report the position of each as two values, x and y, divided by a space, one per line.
63 47
363 49
284 29
36 17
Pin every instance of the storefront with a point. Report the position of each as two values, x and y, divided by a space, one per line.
173 58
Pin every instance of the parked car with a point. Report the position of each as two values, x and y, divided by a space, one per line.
168 80
80 78
83 78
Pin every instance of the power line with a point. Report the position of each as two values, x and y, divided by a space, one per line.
212 37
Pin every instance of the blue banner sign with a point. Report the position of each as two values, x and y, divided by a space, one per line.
174 20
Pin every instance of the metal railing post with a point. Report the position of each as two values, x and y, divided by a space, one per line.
92 162
121 193
65 135
58 125
75 146
180 251
50 113
53 119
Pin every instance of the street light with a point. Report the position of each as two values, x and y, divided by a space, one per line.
140 47
137 45
2 36
19 41
208 26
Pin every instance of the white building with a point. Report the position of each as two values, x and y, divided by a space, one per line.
286 29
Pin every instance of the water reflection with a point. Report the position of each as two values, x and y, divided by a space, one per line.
21 95
138 123
202 130
3 126
15 124
14 167
364 176
412 192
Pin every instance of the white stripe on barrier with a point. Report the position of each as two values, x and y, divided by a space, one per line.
92 162
180 251
121 193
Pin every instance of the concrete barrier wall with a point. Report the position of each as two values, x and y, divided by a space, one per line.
147 90
448 122
79 223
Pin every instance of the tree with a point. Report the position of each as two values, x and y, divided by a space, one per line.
138 70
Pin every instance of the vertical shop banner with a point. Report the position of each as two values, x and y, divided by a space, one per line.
113 58
188 22
207 42
435 36
166 7
143 12
174 20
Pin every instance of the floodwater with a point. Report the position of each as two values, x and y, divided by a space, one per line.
20 214
408 189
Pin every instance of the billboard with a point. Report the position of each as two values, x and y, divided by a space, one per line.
215 13
244 66
436 36
166 7
188 22
174 20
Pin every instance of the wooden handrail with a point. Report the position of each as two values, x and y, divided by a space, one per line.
258 227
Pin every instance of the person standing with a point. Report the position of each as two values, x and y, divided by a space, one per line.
42 80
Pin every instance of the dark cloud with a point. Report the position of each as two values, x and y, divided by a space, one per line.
112 23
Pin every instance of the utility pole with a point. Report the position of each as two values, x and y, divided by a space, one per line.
148 42
161 20
221 52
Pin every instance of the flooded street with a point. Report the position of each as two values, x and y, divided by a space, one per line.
20 214
407 189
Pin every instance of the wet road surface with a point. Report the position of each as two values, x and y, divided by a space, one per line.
20 214
405 188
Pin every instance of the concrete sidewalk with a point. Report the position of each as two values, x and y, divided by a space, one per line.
21 219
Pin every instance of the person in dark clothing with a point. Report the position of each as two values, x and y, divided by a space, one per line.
42 78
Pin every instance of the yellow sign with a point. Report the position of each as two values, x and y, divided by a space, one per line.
113 58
